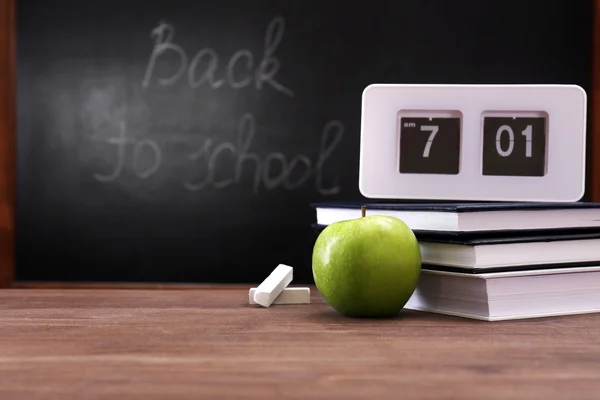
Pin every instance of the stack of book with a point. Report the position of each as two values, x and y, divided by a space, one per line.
497 261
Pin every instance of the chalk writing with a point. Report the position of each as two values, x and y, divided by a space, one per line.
156 155
274 170
261 73
208 158
330 137
121 141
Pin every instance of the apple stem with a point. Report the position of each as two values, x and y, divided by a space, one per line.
363 210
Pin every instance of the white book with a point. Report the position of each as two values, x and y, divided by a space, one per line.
483 253
509 295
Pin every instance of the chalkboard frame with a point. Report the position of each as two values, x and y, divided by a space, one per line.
8 135
7 141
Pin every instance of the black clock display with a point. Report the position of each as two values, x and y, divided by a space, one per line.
430 145
514 146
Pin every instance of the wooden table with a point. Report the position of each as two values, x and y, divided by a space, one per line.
209 344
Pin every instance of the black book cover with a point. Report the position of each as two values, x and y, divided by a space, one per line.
458 207
500 236
511 268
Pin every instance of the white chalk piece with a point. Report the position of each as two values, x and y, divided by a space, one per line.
272 287
294 295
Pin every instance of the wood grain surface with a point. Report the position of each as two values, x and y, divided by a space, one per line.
209 344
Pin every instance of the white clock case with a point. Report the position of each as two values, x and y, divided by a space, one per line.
565 105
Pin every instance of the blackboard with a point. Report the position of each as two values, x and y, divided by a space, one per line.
183 141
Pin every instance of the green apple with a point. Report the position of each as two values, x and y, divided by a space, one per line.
367 267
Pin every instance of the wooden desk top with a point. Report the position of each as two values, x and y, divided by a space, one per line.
209 344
